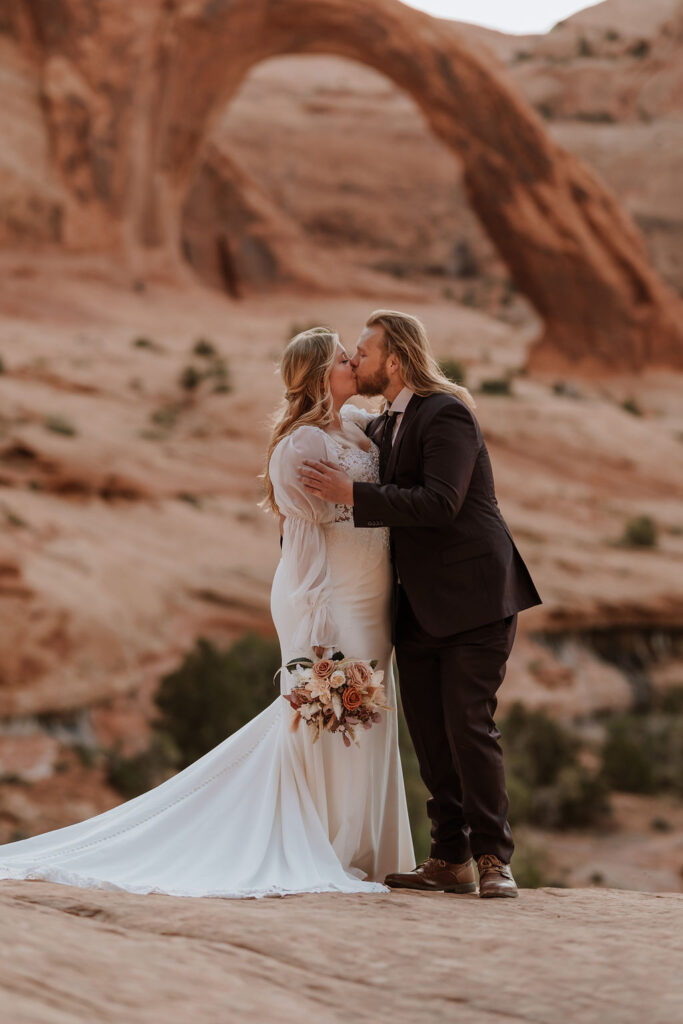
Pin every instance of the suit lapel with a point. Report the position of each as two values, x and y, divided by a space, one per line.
408 415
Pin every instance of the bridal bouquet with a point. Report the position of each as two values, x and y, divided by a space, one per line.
336 694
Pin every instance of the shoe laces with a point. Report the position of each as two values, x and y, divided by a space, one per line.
489 862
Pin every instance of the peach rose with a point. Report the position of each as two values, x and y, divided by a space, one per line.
324 668
352 698
359 674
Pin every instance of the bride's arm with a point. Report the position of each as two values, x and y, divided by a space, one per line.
304 551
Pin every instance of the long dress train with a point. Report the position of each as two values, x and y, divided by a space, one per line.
267 811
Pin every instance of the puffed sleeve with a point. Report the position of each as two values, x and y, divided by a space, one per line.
304 552
353 414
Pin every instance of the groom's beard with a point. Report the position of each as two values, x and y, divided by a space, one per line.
374 385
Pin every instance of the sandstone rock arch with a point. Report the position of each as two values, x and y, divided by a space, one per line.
131 95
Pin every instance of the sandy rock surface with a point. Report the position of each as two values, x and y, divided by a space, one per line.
581 955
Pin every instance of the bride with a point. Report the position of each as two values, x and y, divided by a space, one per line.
267 811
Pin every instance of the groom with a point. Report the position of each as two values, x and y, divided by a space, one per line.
459 582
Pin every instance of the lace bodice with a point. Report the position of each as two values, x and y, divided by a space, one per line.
320 541
360 465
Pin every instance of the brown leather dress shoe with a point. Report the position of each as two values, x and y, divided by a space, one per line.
436 875
495 877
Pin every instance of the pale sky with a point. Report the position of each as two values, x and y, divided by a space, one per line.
507 15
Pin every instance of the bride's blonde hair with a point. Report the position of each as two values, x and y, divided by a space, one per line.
305 369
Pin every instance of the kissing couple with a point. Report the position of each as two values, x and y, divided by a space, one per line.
392 538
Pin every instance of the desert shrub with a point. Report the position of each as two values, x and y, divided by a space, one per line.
611 35
496 386
454 370
630 405
640 532
530 867
60 425
643 753
537 747
165 416
215 692
547 784
595 116
148 343
576 799
640 49
12 518
205 348
190 378
219 372
140 772
564 389
583 47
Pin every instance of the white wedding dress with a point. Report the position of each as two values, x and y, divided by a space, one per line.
267 811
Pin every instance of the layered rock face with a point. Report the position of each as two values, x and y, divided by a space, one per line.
131 96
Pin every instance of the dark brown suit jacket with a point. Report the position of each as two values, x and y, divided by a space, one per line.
451 547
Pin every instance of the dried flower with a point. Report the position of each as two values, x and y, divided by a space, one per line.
352 698
324 668
359 674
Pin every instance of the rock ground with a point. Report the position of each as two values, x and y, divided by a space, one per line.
584 956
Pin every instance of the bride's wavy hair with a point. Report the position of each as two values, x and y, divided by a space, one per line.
406 338
305 369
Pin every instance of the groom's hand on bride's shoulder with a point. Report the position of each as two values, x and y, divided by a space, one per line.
327 481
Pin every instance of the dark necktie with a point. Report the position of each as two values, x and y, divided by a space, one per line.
385 444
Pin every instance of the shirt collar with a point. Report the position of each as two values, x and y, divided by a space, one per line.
400 403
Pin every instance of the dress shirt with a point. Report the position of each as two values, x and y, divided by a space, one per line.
399 405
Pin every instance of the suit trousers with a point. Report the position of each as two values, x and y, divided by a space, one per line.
448 687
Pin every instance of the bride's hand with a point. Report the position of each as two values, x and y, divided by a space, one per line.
318 651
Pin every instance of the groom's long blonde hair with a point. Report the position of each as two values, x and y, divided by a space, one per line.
406 338
305 369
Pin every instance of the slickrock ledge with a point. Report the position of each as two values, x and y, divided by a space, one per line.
584 956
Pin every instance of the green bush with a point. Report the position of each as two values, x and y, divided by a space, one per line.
190 378
529 866
496 386
547 785
640 532
139 773
205 348
643 753
215 692
219 372
147 343
640 49
627 756
536 746
60 425
166 416
454 370
630 405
